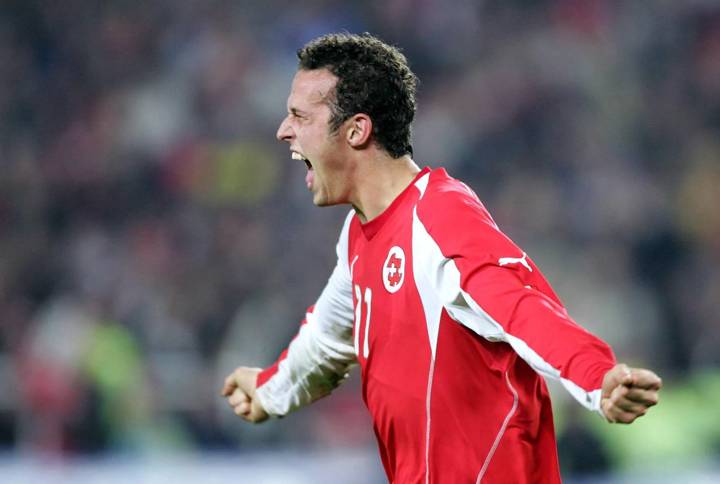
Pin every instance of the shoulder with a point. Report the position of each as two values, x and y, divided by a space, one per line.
345 239
445 201
350 218
454 216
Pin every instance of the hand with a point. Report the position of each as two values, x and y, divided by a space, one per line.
628 393
239 388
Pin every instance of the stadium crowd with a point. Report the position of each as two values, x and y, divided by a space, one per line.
151 228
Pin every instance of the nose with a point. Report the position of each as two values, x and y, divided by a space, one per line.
284 132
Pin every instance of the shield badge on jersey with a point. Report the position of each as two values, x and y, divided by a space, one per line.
394 270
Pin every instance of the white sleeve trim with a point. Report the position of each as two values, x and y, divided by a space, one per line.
444 276
319 357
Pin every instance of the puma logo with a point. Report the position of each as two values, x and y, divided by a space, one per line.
503 261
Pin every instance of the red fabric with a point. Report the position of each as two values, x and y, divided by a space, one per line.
534 315
489 411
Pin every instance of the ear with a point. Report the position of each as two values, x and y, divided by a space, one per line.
358 130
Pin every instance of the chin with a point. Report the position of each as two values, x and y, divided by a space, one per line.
318 201
324 202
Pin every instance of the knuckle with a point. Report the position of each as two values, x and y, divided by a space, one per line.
610 414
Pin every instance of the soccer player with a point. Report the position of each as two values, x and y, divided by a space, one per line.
452 324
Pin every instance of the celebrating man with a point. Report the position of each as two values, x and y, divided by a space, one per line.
452 324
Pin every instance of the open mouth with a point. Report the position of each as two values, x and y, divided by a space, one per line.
300 157
310 176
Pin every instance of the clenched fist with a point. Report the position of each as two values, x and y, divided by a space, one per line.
628 393
239 388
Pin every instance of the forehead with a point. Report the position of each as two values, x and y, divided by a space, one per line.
311 87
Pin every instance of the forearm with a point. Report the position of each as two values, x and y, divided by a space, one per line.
313 365
319 357
542 333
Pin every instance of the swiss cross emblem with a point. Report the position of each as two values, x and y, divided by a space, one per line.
394 269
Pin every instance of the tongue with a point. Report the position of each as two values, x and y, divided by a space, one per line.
309 179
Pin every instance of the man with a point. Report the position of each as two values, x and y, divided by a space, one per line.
451 323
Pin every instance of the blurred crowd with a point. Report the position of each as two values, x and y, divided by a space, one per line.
154 234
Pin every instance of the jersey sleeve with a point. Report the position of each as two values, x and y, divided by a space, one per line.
318 358
488 284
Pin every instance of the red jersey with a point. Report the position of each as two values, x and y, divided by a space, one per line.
452 326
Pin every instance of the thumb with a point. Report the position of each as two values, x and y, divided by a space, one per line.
246 379
243 378
228 386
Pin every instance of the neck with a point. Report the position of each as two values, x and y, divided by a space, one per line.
381 180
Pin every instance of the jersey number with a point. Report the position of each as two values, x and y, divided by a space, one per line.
358 318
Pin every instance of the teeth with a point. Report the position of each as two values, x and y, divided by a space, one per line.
298 156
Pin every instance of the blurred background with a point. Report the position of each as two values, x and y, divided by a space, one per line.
154 235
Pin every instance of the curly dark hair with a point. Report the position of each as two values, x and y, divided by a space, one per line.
373 78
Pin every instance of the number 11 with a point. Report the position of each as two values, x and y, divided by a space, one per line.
358 317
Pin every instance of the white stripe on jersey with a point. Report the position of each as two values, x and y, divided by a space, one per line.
432 306
444 280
